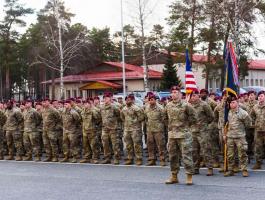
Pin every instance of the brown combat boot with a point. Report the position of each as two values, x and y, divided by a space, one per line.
163 163
65 159
48 159
19 158
55 159
139 162
37 159
172 179
74 160
85 160
106 161
236 169
228 173
10 157
189 179
245 173
95 161
151 163
1 157
28 158
116 162
257 166
128 162
210 172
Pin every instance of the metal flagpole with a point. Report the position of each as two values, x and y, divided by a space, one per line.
123 56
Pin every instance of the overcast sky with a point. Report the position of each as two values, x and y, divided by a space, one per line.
106 13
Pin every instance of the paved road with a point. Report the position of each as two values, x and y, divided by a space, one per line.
52 181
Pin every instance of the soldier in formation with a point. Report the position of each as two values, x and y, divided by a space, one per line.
190 130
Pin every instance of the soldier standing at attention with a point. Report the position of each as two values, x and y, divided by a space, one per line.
258 116
71 123
14 131
90 115
238 120
155 121
31 136
2 135
110 115
180 117
51 119
201 133
251 130
132 117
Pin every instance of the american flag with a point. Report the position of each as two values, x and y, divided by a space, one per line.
190 81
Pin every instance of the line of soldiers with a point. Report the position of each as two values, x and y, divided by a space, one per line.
190 130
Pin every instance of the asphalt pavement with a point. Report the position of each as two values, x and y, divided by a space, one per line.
52 181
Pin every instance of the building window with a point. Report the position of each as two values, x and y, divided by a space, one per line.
247 82
74 93
68 94
81 93
257 82
261 82
252 82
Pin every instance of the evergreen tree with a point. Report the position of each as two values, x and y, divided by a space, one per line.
169 77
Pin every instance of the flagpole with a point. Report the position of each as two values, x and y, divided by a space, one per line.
123 52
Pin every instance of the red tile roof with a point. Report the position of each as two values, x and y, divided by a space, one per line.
257 64
132 72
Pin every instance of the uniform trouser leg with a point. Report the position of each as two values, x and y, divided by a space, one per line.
151 146
205 149
18 141
259 142
87 151
137 144
250 140
106 144
10 142
66 144
196 151
242 147
178 147
160 143
53 139
129 145
174 154
60 141
27 143
46 143
74 144
35 143
93 143
114 138
1 142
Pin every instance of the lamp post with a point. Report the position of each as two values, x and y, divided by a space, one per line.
123 53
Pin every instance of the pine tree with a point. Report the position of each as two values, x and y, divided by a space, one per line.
169 77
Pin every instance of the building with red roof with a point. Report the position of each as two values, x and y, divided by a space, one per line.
105 76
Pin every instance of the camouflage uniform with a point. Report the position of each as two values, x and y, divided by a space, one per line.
110 115
14 128
258 116
132 117
78 109
214 133
239 120
2 135
120 129
51 119
90 139
31 136
59 130
251 130
71 123
219 118
155 121
180 117
202 134
99 130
